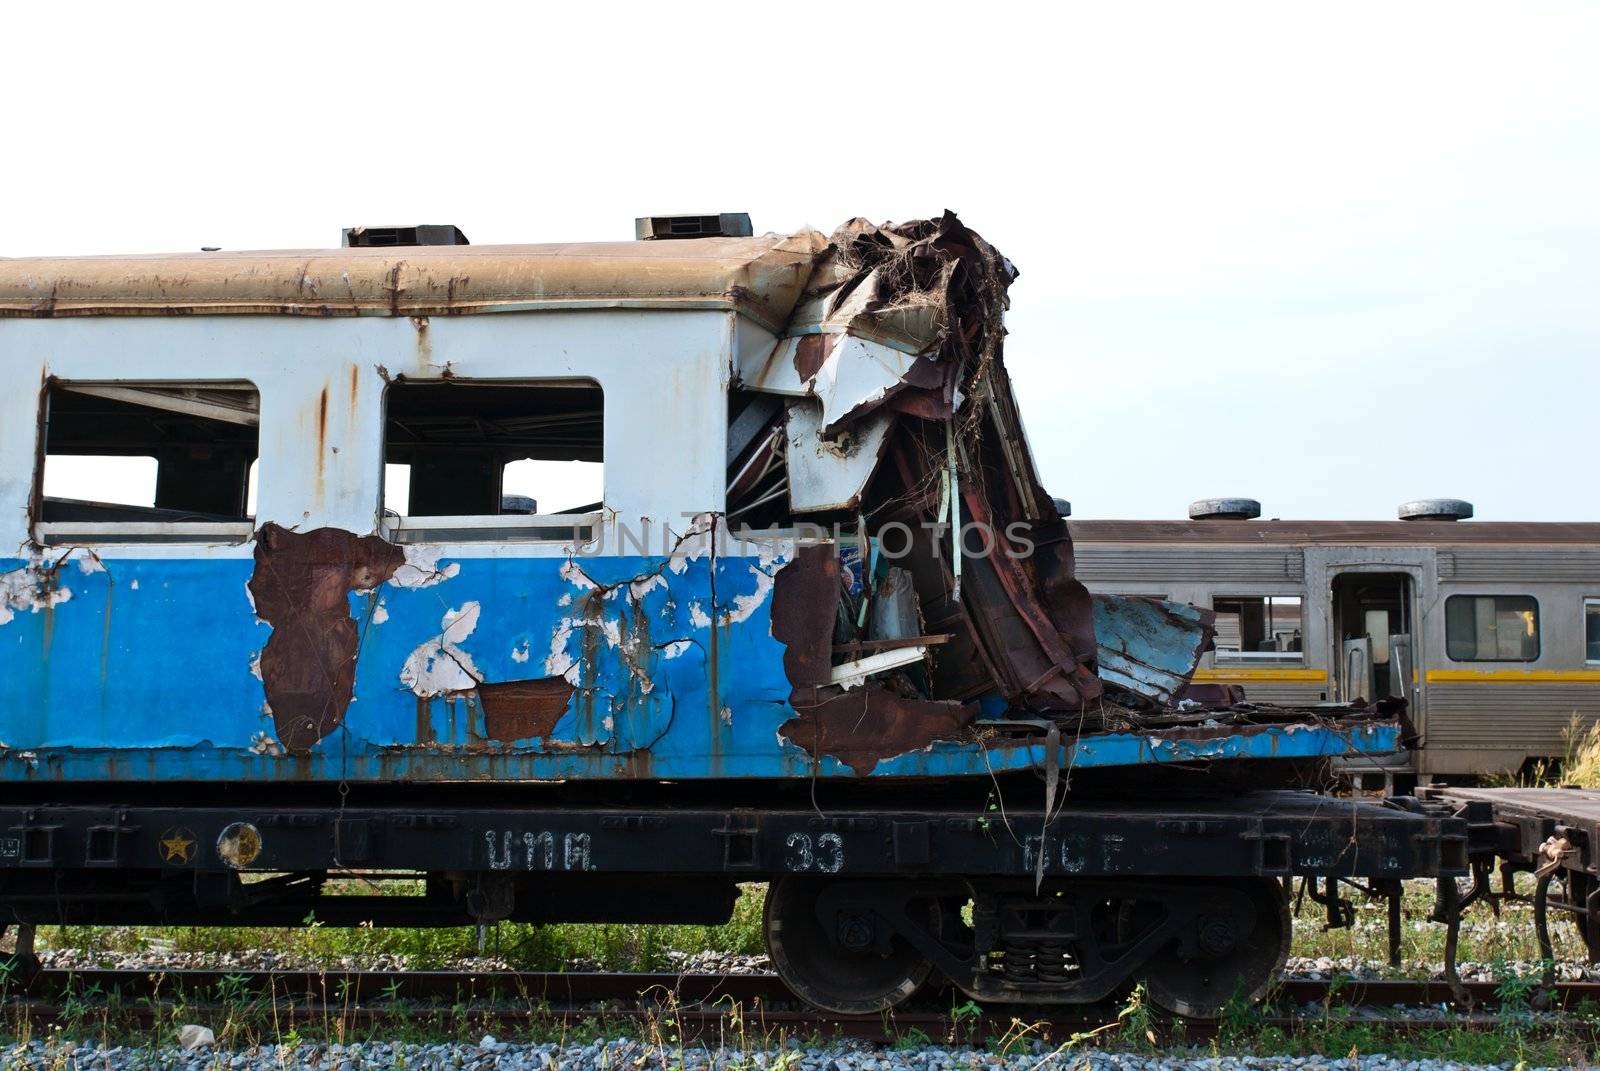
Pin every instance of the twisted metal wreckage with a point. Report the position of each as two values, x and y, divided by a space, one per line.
900 413
899 599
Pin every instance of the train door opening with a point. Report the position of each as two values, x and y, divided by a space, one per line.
1374 643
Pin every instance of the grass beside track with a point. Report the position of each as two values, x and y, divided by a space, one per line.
244 1020
607 947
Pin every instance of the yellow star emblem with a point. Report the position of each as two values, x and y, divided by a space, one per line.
176 846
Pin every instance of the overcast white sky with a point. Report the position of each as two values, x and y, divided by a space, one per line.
1331 256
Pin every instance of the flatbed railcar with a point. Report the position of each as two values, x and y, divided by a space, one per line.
588 581
1490 630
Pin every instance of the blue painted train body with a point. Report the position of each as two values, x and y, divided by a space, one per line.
135 646
142 669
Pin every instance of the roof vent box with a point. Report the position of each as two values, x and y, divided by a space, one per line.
1224 509
422 234
1436 509
725 225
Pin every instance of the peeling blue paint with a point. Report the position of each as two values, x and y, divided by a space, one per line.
145 672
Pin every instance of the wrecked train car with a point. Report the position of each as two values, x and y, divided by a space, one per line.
792 435
513 565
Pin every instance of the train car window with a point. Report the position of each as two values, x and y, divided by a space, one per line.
1491 628
147 462
1258 628
466 460
1591 630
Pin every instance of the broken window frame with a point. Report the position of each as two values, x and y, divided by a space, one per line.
1222 657
527 528
158 394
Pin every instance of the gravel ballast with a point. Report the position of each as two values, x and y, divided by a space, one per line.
612 1055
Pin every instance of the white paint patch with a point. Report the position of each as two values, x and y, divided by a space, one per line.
255 665
379 614
638 589
521 652
134 586
421 569
559 663
746 605
565 600
698 616
770 557
696 543
262 744
20 590
676 648
440 666
89 562
573 574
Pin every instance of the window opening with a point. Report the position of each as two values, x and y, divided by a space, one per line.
457 449
117 454
1591 630
1258 628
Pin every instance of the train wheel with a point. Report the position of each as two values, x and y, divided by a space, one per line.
842 959
1236 948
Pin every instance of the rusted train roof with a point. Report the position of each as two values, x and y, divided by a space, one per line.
760 277
1337 533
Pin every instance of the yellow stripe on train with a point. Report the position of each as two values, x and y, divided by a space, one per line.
1513 676
1239 674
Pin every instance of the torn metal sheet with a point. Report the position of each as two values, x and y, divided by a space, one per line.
1149 646
850 376
857 377
830 473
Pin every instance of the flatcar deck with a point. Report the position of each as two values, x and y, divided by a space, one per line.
1551 833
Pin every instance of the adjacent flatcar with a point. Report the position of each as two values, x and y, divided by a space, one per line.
1490 630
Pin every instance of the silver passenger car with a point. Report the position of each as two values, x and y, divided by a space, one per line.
1490 629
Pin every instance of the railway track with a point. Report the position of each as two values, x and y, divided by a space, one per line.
699 1005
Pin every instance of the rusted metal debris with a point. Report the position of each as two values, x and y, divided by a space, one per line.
897 349
900 332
